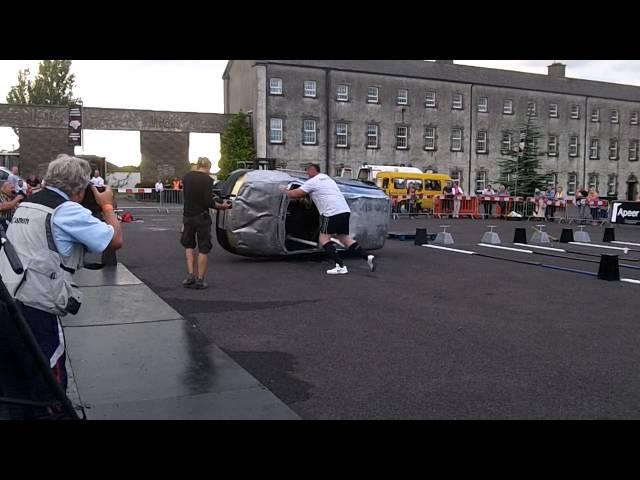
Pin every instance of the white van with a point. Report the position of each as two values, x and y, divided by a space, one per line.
368 173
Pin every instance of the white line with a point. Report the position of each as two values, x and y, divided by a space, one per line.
543 248
626 243
630 280
469 252
626 250
505 248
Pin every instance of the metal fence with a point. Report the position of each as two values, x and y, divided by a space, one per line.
149 199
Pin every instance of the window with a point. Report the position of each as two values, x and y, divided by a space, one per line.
594 149
275 130
552 146
507 106
412 182
342 93
402 138
481 181
403 97
531 109
310 88
456 139
593 181
634 118
373 94
615 118
553 110
613 149
430 100
430 138
506 142
275 86
552 180
481 141
573 146
575 111
399 184
456 101
309 132
456 175
595 115
372 136
342 135
612 185
483 104
571 183
633 150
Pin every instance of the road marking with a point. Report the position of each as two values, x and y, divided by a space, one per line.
630 280
626 250
504 248
626 243
468 252
543 248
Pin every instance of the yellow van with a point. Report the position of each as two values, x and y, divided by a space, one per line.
396 186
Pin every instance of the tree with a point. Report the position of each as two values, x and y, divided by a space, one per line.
520 172
52 86
236 145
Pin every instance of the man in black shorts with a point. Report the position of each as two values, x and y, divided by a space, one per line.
334 217
196 229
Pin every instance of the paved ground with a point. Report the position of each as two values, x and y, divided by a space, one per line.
431 335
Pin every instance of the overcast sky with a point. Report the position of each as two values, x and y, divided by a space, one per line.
196 86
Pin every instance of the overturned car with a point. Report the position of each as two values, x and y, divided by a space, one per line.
264 223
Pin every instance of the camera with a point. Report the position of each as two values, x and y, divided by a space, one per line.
90 203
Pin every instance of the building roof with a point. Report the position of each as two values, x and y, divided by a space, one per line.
473 75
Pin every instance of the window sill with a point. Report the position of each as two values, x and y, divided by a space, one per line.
372 148
276 94
308 96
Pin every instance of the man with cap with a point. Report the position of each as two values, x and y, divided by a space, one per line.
334 217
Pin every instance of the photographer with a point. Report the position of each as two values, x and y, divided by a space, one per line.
9 201
196 229
50 233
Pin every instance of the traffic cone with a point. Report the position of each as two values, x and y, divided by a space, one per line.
421 236
609 268
520 236
567 235
609 234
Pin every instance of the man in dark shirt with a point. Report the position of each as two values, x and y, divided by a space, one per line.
196 229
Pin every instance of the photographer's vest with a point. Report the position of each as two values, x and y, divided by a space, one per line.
46 282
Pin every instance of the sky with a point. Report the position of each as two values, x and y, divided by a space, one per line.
196 86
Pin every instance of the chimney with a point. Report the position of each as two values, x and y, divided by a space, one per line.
557 70
446 62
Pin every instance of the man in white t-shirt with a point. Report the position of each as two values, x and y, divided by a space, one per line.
97 180
334 216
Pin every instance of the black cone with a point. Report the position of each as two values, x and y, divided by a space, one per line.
520 236
609 268
421 236
567 235
609 234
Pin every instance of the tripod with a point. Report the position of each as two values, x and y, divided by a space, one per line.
61 404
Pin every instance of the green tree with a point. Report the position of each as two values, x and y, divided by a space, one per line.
520 173
53 85
236 145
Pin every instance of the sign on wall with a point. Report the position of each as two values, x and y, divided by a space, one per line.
625 212
75 125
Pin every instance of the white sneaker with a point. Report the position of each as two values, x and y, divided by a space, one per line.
338 270
371 262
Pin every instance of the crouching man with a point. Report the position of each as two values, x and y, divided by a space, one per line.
50 233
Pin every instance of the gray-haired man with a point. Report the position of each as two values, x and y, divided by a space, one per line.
50 233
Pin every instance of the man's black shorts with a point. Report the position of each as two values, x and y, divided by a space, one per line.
197 230
335 225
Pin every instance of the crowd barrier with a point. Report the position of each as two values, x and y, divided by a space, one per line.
148 198
494 206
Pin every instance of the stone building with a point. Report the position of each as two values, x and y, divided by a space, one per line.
438 116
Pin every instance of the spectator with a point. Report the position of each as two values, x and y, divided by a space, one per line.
502 192
33 182
13 178
176 184
8 203
592 199
43 298
581 203
412 198
97 180
549 196
457 190
539 203
488 204
447 202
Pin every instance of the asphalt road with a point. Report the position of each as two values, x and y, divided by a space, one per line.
430 335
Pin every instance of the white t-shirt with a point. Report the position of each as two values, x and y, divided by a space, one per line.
159 187
97 181
324 192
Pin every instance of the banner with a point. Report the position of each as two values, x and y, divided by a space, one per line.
75 125
625 212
